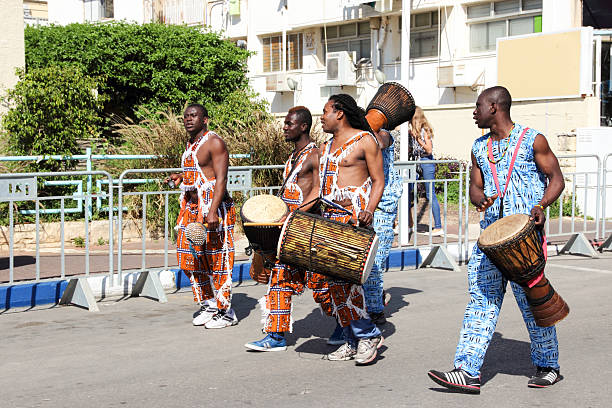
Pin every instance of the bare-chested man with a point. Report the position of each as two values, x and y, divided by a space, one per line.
205 199
352 182
300 176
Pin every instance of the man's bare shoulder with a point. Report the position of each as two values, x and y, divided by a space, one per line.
215 142
368 141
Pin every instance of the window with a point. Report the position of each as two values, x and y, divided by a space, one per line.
424 35
490 21
294 51
108 8
273 51
349 37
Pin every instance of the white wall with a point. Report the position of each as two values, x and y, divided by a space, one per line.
130 10
12 52
561 14
66 11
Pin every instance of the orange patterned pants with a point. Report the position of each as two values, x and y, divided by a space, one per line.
212 268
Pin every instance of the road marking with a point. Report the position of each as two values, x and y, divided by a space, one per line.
578 268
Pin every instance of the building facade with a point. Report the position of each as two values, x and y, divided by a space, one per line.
445 51
12 51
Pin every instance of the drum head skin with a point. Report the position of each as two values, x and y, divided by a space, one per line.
370 260
263 208
503 229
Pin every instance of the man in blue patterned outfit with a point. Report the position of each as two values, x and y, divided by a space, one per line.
535 182
384 217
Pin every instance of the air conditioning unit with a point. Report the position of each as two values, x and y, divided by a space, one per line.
340 69
277 83
451 76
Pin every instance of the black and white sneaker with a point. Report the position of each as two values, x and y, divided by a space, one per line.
222 319
456 379
544 377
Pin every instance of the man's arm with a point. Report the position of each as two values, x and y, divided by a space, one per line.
220 162
477 195
547 162
374 161
384 138
313 159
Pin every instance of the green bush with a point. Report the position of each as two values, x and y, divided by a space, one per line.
449 171
567 208
148 67
50 109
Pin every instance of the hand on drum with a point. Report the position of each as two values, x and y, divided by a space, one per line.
365 218
538 216
486 202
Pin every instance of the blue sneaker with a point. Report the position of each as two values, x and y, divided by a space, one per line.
268 343
337 337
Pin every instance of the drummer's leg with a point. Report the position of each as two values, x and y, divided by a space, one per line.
362 336
373 287
486 288
220 264
544 344
276 305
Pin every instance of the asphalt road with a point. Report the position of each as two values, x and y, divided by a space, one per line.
136 352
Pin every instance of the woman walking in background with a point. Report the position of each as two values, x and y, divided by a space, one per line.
422 150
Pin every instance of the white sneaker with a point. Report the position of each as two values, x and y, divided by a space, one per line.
204 315
437 232
222 319
343 353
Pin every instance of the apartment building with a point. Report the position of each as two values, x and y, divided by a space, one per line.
35 12
307 50
12 54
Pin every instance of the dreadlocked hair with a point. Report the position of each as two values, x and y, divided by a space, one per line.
354 114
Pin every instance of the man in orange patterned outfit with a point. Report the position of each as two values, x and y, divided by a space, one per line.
300 176
352 182
204 199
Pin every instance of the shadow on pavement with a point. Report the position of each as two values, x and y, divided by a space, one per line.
20 260
397 299
504 356
507 356
321 327
242 305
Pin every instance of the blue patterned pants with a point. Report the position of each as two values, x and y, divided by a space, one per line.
373 287
487 287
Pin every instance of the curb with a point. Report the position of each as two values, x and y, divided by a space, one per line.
33 294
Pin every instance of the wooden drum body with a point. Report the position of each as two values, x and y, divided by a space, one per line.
514 246
328 247
260 217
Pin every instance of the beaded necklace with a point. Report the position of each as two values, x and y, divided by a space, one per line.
490 148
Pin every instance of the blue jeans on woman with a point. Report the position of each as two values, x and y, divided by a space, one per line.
429 173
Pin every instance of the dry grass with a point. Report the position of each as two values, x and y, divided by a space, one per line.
164 136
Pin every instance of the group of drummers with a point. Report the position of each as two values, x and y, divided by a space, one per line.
330 229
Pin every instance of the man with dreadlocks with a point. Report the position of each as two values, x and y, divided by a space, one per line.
351 185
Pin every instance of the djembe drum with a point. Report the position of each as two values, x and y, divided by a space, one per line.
514 246
328 247
390 107
260 216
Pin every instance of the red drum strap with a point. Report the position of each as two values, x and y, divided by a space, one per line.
494 167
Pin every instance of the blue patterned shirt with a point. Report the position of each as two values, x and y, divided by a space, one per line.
527 182
393 182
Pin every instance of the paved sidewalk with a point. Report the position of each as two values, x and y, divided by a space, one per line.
140 353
